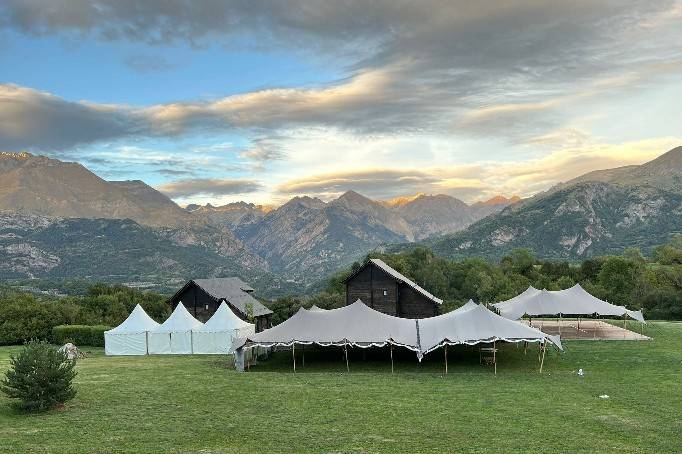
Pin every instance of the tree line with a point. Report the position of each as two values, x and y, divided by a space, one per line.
653 284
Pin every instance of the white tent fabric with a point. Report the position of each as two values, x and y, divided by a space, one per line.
355 325
130 337
473 324
314 308
217 334
469 305
573 301
174 336
358 325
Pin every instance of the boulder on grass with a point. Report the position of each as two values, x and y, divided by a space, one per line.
72 352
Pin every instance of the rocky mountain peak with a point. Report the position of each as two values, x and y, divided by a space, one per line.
501 200
305 201
21 155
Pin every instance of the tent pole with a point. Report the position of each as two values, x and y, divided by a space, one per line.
191 342
345 349
303 362
525 347
146 338
293 355
544 349
391 358
446 359
559 323
495 357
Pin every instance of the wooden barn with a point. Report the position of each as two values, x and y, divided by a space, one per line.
386 290
202 297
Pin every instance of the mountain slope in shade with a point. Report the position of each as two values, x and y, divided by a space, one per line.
121 250
597 213
307 238
45 186
48 187
432 215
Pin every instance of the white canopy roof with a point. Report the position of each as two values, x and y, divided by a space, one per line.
314 308
137 322
469 305
179 321
473 324
223 320
359 325
573 301
356 324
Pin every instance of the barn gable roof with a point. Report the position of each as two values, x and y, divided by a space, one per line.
399 277
231 289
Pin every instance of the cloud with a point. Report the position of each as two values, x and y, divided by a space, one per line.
453 67
483 179
379 183
208 187
38 120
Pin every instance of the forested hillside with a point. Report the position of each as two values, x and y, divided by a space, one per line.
630 279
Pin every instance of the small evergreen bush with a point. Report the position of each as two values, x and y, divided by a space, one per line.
80 335
40 376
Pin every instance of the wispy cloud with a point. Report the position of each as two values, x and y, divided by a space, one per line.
208 187
482 179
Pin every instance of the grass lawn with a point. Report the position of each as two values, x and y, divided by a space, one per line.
196 404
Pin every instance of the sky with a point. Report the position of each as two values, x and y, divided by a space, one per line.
219 101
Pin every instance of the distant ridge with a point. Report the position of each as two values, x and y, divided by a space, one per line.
597 213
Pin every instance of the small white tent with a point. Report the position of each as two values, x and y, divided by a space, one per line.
174 336
217 334
130 337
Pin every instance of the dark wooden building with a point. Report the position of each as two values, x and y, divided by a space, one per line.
384 289
202 297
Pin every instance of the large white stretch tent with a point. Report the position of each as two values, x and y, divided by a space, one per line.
571 302
217 334
174 336
473 324
130 337
359 325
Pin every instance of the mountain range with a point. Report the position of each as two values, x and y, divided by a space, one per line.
597 213
59 220
309 237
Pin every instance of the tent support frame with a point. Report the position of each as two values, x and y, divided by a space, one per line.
446 359
391 359
544 349
345 350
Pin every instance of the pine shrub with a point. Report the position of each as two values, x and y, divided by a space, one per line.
40 377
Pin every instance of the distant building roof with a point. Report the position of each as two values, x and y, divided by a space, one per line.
231 289
393 273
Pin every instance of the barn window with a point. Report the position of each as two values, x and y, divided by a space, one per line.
385 292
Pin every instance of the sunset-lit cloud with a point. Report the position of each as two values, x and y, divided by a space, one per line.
224 101
208 187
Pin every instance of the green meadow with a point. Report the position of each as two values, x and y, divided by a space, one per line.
185 404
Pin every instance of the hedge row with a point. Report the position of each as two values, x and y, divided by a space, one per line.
80 335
